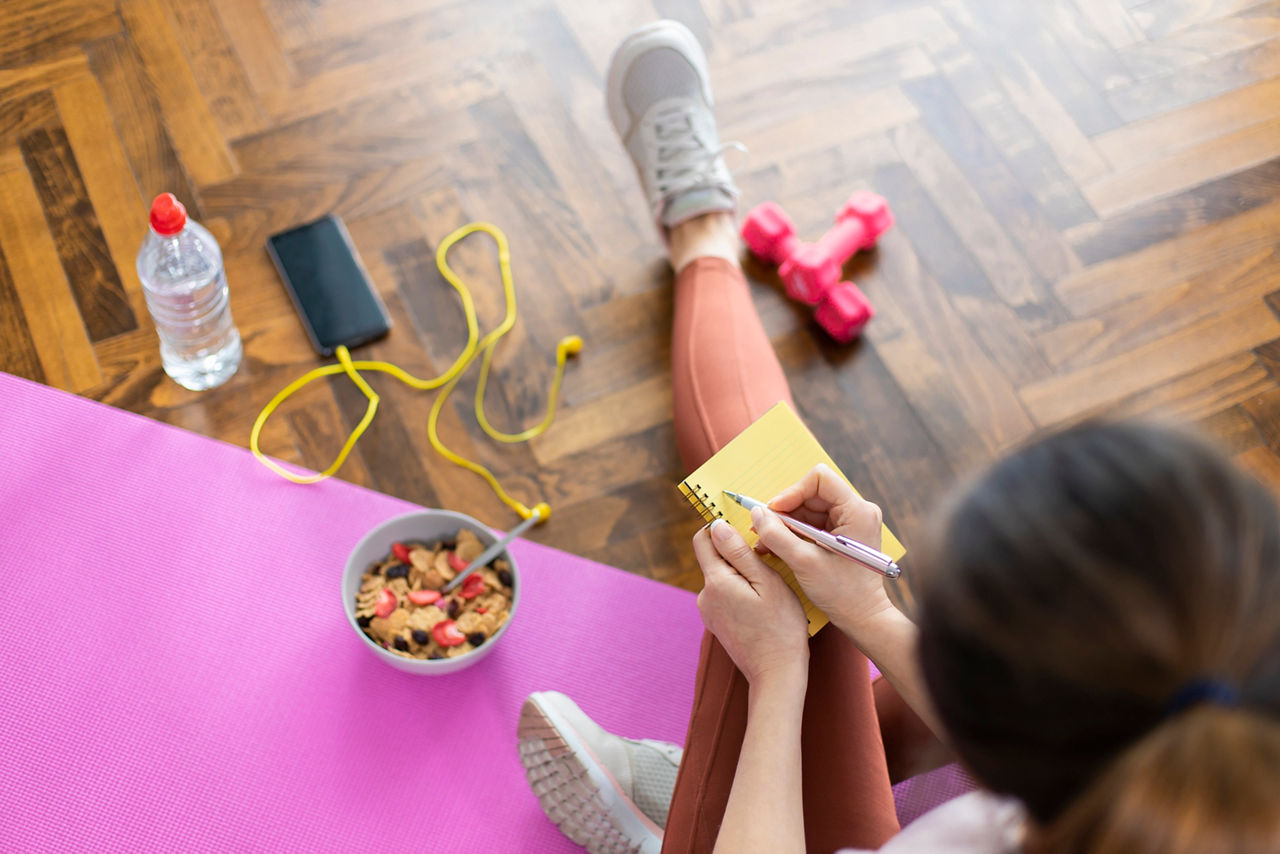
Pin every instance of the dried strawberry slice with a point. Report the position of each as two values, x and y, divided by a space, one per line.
472 587
446 634
424 597
456 561
401 551
386 603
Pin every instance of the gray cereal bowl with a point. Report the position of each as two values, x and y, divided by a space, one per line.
427 526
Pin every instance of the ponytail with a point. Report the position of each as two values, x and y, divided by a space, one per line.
1205 780
1100 637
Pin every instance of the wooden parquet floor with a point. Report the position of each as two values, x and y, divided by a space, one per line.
1087 195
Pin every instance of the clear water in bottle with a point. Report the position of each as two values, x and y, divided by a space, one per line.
180 266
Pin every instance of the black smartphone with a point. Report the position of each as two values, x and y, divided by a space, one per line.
328 285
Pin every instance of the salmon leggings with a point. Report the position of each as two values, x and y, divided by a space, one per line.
725 375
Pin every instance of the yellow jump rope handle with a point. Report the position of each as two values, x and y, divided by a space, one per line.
567 347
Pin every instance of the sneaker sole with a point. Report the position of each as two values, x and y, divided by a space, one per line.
575 790
676 36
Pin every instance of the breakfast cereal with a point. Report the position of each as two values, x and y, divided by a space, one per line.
401 607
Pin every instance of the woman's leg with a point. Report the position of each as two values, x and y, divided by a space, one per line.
725 375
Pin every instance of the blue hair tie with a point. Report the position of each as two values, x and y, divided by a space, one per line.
1216 691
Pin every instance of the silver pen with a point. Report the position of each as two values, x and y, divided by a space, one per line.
873 559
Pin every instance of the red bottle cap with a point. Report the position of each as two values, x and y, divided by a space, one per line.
168 216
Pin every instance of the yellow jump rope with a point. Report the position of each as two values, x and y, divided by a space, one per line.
567 346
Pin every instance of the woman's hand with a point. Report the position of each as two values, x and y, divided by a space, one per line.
749 608
850 594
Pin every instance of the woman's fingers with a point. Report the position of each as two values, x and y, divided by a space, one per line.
734 549
820 489
713 565
781 540
824 499
816 518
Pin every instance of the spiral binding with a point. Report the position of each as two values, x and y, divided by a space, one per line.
701 501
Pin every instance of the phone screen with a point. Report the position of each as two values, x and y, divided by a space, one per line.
328 284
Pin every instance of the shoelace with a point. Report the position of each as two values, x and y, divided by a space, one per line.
684 159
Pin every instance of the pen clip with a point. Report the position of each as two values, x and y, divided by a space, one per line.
850 543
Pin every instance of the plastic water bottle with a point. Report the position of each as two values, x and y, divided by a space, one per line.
180 266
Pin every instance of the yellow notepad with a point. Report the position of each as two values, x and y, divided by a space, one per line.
761 461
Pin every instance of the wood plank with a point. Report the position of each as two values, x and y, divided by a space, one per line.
824 127
44 320
338 145
1199 394
217 69
1069 395
1185 169
1010 275
936 357
255 207
760 59
1264 411
639 407
944 116
606 213
1186 85
359 40
433 306
813 187
620 462
1118 25
1156 313
450 64
1264 464
339 16
138 121
1232 429
18 354
22 81
256 44
104 166
1208 40
549 241
1004 28
1160 18
1135 144
73 222
386 451
1189 254
294 20
1097 60
1027 151
629 338
1166 218
201 148
897 456
25 114
1269 356
1001 329
36 30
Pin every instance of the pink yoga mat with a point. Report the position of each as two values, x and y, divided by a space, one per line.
176 672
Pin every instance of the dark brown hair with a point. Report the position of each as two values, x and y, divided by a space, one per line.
1068 596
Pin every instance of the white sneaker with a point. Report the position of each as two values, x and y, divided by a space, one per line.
607 793
659 98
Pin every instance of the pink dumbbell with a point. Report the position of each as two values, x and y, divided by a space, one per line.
811 271
844 312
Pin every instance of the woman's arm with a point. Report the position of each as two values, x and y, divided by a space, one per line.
889 640
851 595
760 623
765 812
